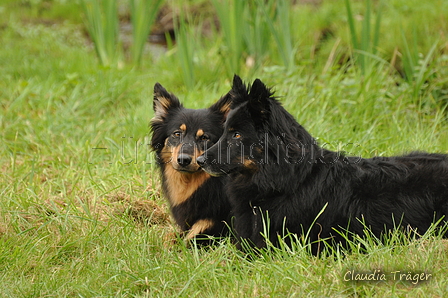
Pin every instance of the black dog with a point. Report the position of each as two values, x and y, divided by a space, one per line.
197 200
281 179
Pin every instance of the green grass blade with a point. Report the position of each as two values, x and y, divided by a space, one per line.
376 32
351 24
143 15
231 15
280 28
185 51
102 25
283 11
365 37
423 71
111 28
409 59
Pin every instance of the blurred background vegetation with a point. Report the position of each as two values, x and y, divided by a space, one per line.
206 40
235 36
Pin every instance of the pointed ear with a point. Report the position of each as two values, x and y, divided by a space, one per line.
237 95
238 84
222 106
259 97
238 92
163 102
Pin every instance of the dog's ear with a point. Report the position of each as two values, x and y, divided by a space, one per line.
222 106
163 102
259 100
236 96
238 92
238 86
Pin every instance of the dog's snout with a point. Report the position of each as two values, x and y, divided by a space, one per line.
184 160
201 160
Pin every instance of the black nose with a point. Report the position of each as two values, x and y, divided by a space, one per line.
201 160
183 160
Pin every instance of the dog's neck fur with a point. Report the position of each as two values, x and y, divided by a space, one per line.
180 186
286 152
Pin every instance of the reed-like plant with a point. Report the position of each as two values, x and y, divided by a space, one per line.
233 23
255 29
102 25
280 28
415 65
365 48
257 36
143 15
409 56
185 50
418 69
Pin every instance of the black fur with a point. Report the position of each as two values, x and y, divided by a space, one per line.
197 200
277 170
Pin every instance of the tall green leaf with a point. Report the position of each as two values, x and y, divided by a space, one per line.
143 15
102 25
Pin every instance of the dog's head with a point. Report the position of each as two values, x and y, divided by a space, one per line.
180 135
244 143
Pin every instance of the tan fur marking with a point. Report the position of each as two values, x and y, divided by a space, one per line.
167 153
225 109
250 165
165 102
183 127
199 133
199 227
181 186
162 106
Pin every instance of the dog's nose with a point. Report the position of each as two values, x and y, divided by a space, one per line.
184 160
201 160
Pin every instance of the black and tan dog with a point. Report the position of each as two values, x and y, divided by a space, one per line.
281 179
179 135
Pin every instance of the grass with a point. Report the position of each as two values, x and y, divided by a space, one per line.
232 19
102 23
366 45
185 50
143 14
252 31
76 220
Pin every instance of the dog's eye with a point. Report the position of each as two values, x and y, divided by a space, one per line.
236 135
177 134
204 138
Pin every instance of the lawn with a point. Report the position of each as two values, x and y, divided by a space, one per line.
81 208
